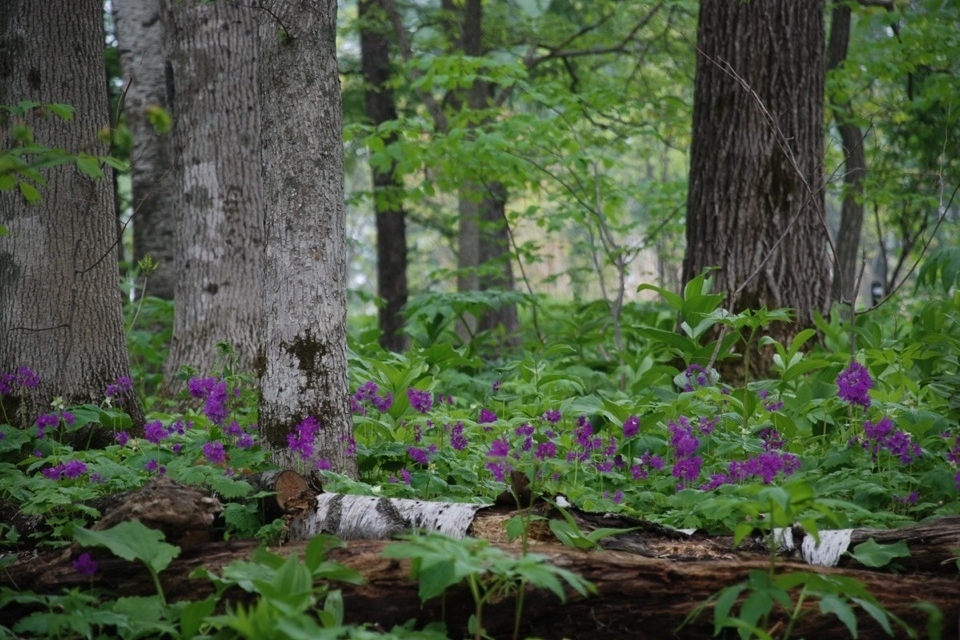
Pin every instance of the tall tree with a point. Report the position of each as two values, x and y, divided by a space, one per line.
60 305
485 261
755 201
380 106
212 48
304 356
854 162
140 37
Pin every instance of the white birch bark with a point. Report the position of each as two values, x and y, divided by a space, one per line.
305 347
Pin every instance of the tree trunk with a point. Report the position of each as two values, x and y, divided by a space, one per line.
854 163
60 305
755 201
140 37
483 256
213 57
304 358
387 186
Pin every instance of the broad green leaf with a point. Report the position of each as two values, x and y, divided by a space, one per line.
131 540
838 607
873 554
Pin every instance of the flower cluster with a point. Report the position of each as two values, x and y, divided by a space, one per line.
23 377
303 436
421 401
117 392
52 421
71 470
695 377
368 395
855 383
884 436
215 396
686 463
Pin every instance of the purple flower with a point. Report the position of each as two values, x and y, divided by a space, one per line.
214 394
24 377
118 390
545 450
245 441
486 416
73 469
687 469
854 383
682 440
304 435
499 448
84 565
495 386
771 439
406 476
631 427
214 452
154 466
382 403
457 440
53 473
696 377
418 455
498 469
154 432
421 401
552 415
878 431
122 438
324 464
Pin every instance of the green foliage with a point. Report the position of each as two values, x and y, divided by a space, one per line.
440 562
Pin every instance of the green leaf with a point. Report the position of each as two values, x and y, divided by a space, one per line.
838 607
131 541
64 111
570 535
29 192
873 554
89 166
193 614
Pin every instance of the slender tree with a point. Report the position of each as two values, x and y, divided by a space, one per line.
212 48
140 37
380 106
304 357
60 305
854 162
755 201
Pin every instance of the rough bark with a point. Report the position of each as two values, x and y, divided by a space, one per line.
60 305
638 596
854 165
304 358
140 38
484 259
219 190
755 201
387 185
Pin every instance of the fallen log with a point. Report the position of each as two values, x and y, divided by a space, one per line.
649 579
638 597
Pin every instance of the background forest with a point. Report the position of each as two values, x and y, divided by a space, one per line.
695 263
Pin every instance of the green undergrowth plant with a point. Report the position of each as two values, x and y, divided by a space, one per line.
489 573
750 607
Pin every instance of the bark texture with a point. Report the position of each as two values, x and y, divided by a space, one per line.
140 38
219 192
854 164
60 305
380 106
484 259
755 201
304 363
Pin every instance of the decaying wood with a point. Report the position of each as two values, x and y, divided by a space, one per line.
649 579
639 597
